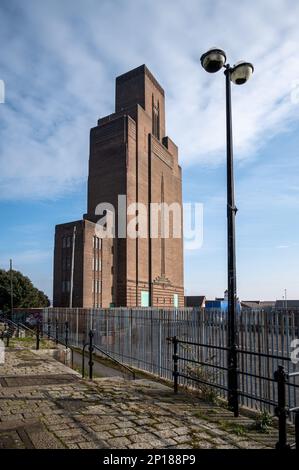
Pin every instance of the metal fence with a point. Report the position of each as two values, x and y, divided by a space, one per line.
137 337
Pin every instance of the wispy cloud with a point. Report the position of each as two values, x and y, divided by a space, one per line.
27 257
60 64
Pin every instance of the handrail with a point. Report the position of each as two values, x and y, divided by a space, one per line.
27 328
116 361
282 410
33 332
223 348
18 325
53 338
293 374
8 321
105 354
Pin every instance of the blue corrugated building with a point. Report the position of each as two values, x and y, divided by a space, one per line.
221 303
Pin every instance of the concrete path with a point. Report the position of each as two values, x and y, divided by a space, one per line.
99 369
44 404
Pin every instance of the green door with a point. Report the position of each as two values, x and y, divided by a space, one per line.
144 298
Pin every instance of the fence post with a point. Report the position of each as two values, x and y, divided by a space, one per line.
66 334
90 363
7 338
297 429
281 410
37 334
49 328
233 400
175 364
56 331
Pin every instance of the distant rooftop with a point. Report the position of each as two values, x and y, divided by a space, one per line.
287 304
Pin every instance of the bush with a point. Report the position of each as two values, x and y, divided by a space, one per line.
25 295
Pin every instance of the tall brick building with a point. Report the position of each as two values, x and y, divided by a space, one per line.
129 155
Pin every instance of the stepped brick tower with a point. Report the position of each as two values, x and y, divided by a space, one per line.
130 155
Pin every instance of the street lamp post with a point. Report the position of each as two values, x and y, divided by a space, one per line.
11 289
213 61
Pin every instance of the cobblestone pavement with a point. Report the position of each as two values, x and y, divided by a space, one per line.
44 404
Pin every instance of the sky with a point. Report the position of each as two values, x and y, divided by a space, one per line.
59 60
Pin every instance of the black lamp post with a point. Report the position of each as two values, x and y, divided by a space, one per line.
213 61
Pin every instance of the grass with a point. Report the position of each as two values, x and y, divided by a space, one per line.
235 428
30 342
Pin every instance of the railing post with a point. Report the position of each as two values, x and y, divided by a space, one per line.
66 334
56 331
90 363
7 339
233 400
175 364
37 334
281 410
297 429
18 329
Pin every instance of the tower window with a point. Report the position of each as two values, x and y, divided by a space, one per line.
155 118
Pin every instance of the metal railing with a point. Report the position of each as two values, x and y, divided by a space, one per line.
11 327
91 348
281 409
60 335
136 337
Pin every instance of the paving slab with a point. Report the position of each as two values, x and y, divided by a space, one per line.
44 404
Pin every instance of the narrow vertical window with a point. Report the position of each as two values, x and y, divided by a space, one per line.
155 118
158 121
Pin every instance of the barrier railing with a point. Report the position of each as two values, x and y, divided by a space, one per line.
281 378
91 348
282 411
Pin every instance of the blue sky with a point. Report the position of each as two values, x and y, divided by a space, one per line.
59 60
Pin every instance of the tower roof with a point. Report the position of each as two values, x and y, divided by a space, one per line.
141 70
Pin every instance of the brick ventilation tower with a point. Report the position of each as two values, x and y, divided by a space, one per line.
129 155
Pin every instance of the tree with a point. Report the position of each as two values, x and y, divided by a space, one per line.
24 293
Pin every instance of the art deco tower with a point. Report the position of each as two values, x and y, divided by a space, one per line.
129 155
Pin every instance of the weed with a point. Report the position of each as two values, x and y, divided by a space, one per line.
263 421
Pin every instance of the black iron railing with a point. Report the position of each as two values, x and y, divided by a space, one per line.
282 411
91 348
281 379
11 328
59 333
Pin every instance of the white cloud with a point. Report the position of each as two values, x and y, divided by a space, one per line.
60 67
27 257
